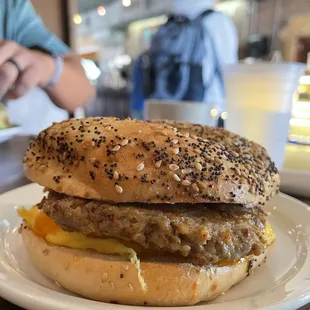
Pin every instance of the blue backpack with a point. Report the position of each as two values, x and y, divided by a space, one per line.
172 69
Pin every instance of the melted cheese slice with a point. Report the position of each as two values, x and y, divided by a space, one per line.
45 227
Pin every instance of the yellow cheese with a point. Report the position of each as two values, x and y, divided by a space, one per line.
47 229
269 235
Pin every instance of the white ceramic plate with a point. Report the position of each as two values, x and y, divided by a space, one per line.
283 282
9 133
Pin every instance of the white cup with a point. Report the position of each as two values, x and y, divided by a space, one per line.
259 103
185 111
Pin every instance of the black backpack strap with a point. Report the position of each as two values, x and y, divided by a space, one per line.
206 13
178 19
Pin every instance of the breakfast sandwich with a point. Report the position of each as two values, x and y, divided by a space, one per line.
147 213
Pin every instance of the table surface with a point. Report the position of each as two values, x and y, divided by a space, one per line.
11 172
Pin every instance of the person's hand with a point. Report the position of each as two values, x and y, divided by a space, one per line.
22 69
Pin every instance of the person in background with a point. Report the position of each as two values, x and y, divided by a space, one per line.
36 68
137 93
221 48
220 29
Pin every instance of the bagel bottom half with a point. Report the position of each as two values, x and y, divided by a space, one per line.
110 278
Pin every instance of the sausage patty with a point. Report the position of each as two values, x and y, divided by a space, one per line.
204 234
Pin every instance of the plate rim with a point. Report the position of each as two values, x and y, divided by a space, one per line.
9 129
23 298
7 134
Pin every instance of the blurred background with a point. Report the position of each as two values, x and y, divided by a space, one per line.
111 34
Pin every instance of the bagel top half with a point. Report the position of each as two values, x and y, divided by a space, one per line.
133 161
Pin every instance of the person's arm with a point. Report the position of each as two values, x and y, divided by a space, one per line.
71 90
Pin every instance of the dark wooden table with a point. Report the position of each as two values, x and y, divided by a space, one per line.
11 176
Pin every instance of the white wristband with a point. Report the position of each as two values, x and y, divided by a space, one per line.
59 64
